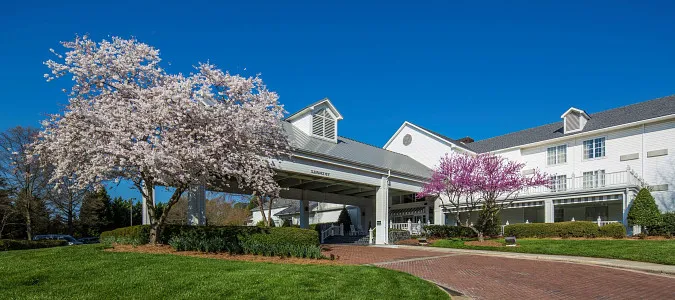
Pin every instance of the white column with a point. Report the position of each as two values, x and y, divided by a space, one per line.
549 211
196 214
439 216
304 211
382 212
145 216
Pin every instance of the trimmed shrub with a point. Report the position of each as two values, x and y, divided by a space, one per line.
7 245
666 227
546 230
614 230
134 235
644 211
448 231
283 241
140 234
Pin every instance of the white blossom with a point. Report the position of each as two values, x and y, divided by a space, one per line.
128 118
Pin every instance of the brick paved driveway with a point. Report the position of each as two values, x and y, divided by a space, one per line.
489 277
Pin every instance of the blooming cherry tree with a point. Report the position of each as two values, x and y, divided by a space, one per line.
485 181
128 118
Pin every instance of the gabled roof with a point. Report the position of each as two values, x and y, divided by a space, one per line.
642 111
351 151
436 134
312 106
277 203
574 109
295 208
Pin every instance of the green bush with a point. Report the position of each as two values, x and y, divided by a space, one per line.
614 230
644 211
6 245
545 230
134 235
283 241
448 231
666 227
140 234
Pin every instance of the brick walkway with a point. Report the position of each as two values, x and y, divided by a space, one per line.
486 277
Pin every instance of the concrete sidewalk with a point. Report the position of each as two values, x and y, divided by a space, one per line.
606 262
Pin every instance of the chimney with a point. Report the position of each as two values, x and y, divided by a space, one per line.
466 140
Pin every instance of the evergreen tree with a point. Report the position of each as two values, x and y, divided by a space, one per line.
345 219
644 211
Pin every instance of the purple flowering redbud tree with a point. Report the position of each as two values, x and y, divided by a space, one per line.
468 183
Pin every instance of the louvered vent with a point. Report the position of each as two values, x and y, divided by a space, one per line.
323 124
572 122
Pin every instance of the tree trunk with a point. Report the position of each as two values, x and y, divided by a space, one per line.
269 214
157 225
29 229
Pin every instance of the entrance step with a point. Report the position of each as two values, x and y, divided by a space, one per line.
348 239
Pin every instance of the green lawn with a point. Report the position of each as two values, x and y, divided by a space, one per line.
655 251
87 272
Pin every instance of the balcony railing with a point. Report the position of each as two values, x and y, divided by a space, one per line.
588 182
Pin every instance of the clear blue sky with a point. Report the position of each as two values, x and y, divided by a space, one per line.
459 69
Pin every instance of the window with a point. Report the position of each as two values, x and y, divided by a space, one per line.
594 179
558 183
323 124
594 148
556 155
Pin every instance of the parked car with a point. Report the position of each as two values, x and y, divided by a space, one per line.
89 240
63 237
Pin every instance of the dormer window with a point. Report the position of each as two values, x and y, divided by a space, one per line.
574 120
323 124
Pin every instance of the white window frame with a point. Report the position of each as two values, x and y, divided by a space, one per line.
556 155
594 179
594 148
558 183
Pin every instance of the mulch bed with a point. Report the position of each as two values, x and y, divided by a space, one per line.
486 243
166 249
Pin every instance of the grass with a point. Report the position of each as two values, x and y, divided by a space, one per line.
88 272
654 251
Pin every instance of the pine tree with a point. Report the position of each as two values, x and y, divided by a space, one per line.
345 220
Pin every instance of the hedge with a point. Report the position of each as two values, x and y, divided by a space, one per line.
545 230
614 230
666 227
6 245
448 231
285 241
140 234
582 229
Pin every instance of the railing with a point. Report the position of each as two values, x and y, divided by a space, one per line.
413 228
333 230
597 180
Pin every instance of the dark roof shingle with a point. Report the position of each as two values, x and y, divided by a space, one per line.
618 116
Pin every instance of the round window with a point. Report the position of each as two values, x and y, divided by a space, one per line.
407 139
